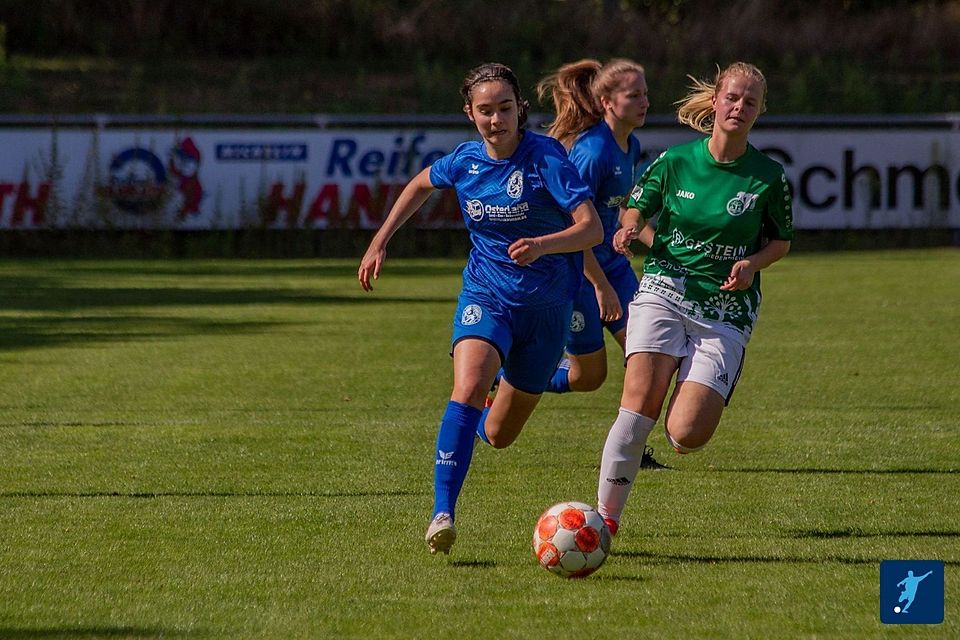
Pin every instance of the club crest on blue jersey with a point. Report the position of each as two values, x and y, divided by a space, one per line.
515 184
471 315
577 322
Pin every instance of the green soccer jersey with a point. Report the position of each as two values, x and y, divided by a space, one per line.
711 214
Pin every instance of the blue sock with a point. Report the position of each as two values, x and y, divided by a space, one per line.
560 382
454 451
481 432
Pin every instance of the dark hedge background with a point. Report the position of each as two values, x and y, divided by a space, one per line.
389 56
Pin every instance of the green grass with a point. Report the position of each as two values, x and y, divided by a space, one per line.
230 449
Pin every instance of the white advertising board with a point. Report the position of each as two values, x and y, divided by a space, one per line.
209 178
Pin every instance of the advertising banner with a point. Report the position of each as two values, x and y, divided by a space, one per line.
290 178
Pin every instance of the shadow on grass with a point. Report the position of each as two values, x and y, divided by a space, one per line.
338 268
207 494
898 471
18 297
820 534
474 564
28 333
664 558
54 329
95 632
609 578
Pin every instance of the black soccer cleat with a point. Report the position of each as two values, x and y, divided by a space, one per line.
649 462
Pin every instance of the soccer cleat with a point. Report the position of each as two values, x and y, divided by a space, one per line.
648 461
612 526
441 534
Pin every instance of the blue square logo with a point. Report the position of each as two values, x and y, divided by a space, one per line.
911 592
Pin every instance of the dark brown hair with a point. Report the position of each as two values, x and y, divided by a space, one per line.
490 72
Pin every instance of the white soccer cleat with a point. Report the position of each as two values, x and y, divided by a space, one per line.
441 534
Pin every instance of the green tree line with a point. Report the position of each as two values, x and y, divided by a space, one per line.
871 56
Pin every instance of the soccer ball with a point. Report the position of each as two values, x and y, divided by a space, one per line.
571 540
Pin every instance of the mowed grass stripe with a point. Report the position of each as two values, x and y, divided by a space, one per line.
230 449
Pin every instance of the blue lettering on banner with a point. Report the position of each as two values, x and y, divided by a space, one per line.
262 152
406 158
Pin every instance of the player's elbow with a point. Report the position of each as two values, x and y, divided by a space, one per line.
593 235
783 247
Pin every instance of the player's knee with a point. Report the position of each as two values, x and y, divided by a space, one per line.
500 440
686 443
471 393
589 380
500 433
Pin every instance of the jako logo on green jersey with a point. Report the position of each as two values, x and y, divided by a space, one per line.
742 203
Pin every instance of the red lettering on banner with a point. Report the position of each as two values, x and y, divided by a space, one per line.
5 189
277 202
368 206
367 211
25 204
325 207
442 211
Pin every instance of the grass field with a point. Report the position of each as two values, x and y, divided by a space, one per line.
232 449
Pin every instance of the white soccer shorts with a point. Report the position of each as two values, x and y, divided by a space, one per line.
708 351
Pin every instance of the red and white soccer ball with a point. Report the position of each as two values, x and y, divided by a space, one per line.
571 540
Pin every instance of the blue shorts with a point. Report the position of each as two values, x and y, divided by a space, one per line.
586 327
530 341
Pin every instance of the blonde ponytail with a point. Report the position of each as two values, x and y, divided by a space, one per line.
696 108
571 90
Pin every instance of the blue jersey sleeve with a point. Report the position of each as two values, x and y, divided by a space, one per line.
443 171
589 163
563 180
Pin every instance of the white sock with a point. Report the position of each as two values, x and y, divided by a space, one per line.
622 453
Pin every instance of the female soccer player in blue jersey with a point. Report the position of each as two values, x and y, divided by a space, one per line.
724 213
598 107
530 218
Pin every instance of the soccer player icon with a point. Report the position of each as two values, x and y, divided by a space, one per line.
909 592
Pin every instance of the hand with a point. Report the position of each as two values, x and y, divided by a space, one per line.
622 239
609 303
525 250
370 265
741 276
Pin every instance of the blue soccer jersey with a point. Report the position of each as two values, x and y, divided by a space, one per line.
610 173
529 194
